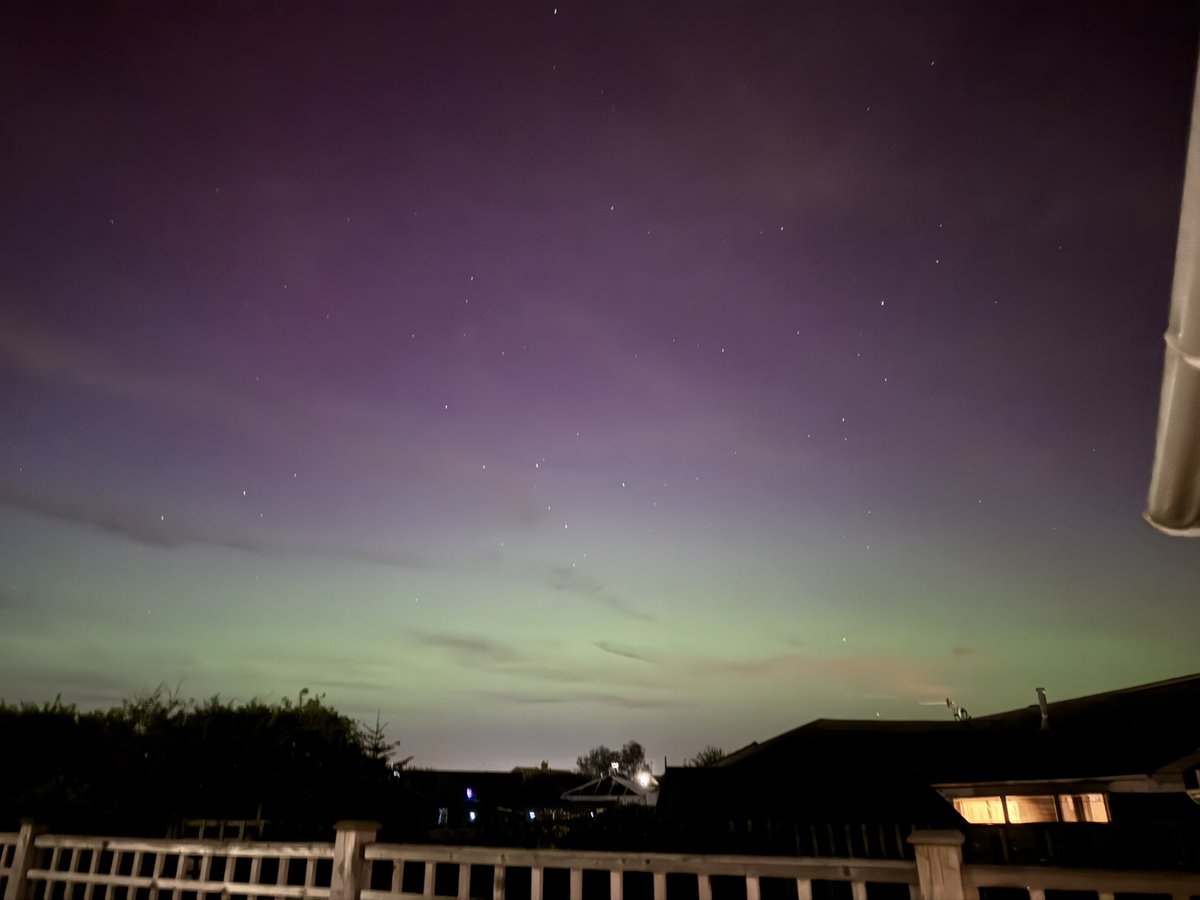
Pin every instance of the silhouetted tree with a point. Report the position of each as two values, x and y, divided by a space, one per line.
706 757
378 747
598 761
595 762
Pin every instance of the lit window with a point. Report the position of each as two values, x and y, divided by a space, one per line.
1031 809
471 815
1083 808
981 810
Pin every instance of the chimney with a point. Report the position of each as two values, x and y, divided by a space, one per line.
1044 707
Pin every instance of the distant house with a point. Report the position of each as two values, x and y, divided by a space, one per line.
1111 777
459 805
615 790
1123 755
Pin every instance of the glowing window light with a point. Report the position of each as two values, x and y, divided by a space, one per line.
981 810
1031 809
1084 808
1020 810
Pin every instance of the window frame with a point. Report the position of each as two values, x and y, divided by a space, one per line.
1059 806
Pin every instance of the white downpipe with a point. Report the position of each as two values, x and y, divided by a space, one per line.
1174 501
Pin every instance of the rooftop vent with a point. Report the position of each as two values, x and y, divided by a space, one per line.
1045 708
960 714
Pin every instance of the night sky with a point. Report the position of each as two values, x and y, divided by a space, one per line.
547 376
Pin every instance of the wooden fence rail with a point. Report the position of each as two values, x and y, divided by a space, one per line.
1036 880
68 867
802 872
36 866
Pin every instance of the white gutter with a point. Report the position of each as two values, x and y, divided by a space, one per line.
1174 502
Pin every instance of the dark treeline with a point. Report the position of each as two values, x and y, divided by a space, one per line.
148 766
144 766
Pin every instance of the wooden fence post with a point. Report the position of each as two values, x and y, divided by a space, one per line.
939 865
350 871
24 855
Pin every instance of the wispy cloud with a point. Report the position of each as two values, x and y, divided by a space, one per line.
571 580
90 688
471 650
624 652
12 601
601 698
346 425
174 533
536 665
56 358
871 675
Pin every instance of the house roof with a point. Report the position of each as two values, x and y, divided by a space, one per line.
877 771
804 791
1087 737
605 789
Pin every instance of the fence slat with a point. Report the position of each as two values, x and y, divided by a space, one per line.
616 883
803 889
427 888
464 881
498 882
577 884
93 868
180 865
114 866
281 876
535 883
156 874
704 887
24 856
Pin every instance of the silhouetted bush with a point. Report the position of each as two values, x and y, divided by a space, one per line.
141 768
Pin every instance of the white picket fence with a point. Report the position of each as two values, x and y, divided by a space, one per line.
37 866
